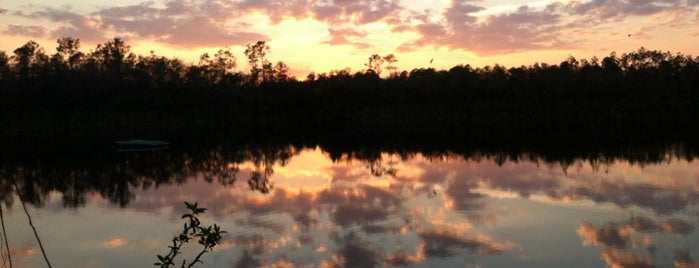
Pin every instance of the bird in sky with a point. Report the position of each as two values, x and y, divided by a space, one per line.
431 60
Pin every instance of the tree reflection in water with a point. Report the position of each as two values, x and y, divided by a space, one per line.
361 212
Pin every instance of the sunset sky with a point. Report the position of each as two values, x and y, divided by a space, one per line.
324 35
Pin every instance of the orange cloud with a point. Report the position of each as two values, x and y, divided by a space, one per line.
23 251
609 235
114 243
620 259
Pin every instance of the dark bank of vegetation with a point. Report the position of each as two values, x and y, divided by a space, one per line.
640 94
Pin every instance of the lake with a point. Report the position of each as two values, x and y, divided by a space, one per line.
331 204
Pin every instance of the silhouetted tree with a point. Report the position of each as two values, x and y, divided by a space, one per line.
27 60
114 58
4 66
374 64
259 66
390 59
68 52
281 72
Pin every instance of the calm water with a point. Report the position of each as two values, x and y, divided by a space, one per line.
304 206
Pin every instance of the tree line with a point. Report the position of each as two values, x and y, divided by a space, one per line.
642 89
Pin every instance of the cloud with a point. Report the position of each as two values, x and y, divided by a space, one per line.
683 259
258 243
676 226
618 259
520 178
608 235
463 197
442 243
403 259
521 30
114 243
619 240
661 200
357 12
353 251
247 260
356 253
347 214
72 25
278 10
642 224
32 30
344 37
464 25
24 251
180 23
617 9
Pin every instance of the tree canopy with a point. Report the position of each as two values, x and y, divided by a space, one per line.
633 90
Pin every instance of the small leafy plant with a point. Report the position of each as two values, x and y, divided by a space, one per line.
208 237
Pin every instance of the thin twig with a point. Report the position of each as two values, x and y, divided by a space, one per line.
32 224
7 245
196 260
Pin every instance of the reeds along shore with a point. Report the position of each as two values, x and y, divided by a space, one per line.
644 92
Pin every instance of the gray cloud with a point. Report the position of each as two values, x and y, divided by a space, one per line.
359 12
683 259
662 201
615 9
609 235
347 214
444 243
247 260
676 226
74 25
32 30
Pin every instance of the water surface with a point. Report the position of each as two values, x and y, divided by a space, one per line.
306 206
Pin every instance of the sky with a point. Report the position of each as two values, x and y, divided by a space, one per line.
324 35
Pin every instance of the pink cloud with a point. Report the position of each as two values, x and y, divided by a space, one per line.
277 10
180 23
73 25
212 23
529 28
523 29
343 36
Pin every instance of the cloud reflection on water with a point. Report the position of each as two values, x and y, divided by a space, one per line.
428 211
436 209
